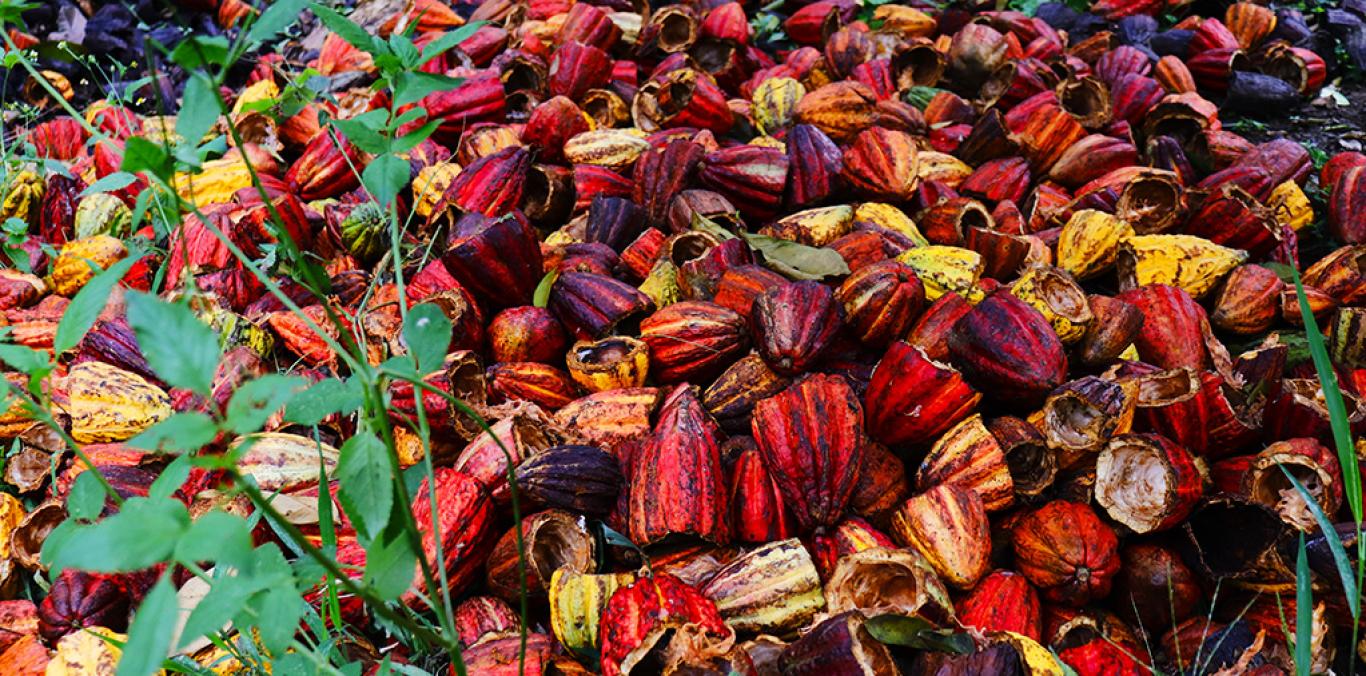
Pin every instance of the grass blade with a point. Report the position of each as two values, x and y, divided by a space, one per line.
1332 397
1340 560
1304 612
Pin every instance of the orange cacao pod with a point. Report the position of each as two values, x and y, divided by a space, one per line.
1067 551
948 526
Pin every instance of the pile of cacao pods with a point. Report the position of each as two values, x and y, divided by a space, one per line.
952 314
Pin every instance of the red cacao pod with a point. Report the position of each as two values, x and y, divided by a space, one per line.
811 437
1007 349
678 485
793 325
912 399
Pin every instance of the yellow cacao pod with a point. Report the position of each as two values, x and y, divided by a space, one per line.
615 149
946 268
775 103
109 404
1291 205
814 227
1192 263
429 188
23 195
87 653
1089 242
576 604
1058 297
72 269
890 217
215 183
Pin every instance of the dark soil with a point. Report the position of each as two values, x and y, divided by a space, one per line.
1324 123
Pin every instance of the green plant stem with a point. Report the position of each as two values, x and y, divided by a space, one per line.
516 508
380 607
359 368
348 350
41 415
424 433
379 420
374 395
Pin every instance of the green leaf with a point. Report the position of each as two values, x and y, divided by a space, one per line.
366 487
143 533
149 637
257 106
402 47
139 154
411 87
541 297
362 132
268 566
115 181
916 632
1304 612
1337 409
24 359
140 207
1286 273
1027 7
12 13
411 115
199 109
254 402
227 596
797 261
385 177
1340 560
171 478
276 19
278 611
182 350
324 398
87 496
85 308
707 225
389 566
199 52
427 333
411 140
219 537
449 40
347 29
404 669
187 431
614 538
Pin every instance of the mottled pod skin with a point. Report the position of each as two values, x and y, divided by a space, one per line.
637 616
693 340
912 399
881 301
678 484
794 324
1003 601
1067 551
1008 350
466 515
499 261
811 437
948 526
